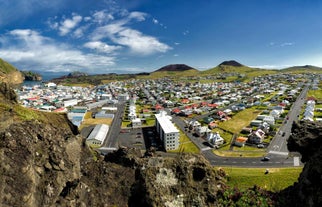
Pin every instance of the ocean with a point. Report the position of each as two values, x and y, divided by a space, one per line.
46 77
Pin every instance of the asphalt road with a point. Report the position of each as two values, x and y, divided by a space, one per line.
111 140
279 143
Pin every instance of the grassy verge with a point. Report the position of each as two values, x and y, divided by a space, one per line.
186 145
227 153
276 180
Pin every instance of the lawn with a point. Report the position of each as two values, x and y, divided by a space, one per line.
277 179
186 145
315 93
251 153
240 120
227 136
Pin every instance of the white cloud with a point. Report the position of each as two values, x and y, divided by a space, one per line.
101 17
35 52
155 21
284 44
86 19
120 33
185 32
69 24
287 44
30 38
101 47
270 66
140 16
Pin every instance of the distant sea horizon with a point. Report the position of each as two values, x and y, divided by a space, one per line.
46 77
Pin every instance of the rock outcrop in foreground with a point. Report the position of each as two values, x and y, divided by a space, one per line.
306 138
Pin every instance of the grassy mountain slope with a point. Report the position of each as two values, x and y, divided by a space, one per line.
304 68
9 74
234 68
6 68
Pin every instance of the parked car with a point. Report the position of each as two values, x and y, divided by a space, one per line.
265 159
260 146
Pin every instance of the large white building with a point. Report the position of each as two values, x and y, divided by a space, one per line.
98 135
168 133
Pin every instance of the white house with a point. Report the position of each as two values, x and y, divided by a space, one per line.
70 102
193 124
202 130
275 113
215 139
98 135
132 112
136 122
256 137
269 119
256 122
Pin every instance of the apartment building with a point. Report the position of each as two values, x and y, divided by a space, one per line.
167 131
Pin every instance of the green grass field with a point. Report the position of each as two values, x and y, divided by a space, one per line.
315 93
276 180
239 120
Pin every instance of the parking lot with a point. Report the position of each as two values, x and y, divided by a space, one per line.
140 138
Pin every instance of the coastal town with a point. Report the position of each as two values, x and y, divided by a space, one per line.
197 114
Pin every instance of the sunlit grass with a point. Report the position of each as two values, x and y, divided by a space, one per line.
240 120
314 93
227 153
277 179
186 145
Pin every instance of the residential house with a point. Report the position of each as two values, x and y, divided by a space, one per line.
215 139
270 120
256 123
256 137
193 124
240 141
136 123
202 131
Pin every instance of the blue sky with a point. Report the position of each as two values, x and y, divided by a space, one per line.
104 36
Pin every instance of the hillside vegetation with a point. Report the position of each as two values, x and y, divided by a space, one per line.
6 68
9 73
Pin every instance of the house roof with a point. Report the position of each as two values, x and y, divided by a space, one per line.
99 132
241 139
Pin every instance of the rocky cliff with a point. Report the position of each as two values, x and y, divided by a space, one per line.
306 139
31 76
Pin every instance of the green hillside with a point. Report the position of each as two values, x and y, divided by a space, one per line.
6 68
301 69
242 73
